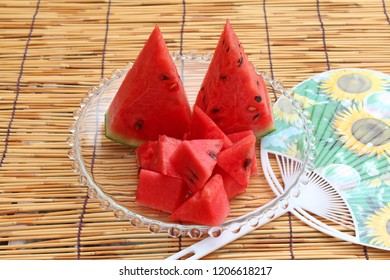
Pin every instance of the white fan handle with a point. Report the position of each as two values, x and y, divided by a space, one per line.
210 244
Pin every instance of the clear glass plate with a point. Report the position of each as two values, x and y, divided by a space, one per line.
110 170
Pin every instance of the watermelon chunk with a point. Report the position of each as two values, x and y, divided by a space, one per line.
238 158
235 137
160 192
232 94
161 161
195 160
151 100
209 206
203 127
231 186
145 154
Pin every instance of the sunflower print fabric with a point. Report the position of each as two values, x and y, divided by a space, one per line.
350 110
352 85
378 227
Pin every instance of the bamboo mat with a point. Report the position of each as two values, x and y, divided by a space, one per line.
53 51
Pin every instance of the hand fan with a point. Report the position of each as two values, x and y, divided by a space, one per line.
350 185
350 111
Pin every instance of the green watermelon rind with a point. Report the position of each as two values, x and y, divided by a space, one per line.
132 143
259 134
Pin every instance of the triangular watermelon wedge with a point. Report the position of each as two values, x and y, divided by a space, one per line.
235 137
232 188
151 100
195 160
161 160
203 127
232 94
209 206
237 159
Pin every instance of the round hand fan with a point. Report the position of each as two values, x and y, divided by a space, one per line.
350 111
350 182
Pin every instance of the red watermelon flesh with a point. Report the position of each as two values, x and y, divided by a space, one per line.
209 206
203 127
151 100
195 160
235 137
145 154
160 192
161 161
232 94
238 158
232 188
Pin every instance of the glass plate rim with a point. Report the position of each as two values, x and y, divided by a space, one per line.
174 229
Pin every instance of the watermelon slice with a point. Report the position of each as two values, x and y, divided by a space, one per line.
195 160
203 127
161 161
151 100
232 94
145 154
235 137
232 188
209 206
238 158
160 192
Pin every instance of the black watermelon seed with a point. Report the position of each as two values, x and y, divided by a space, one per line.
138 124
228 48
256 117
194 175
191 180
223 42
257 82
211 154
215 110
258 98
240 61
223 78
202 88
247 163
164 77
